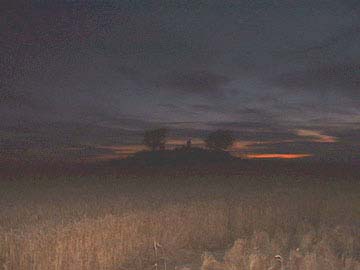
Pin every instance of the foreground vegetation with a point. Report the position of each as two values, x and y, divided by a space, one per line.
206 222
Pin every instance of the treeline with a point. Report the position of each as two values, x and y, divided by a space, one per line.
218 140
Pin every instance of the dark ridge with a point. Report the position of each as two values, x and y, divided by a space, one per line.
180 156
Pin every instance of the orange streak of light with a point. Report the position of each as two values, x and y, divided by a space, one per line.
282 156
317 136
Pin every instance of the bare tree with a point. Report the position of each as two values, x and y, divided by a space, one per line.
155 139
220 140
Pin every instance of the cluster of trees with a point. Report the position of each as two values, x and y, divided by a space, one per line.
155 139
218 140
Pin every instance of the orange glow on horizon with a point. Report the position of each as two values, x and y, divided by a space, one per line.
179 142
281 156
119 151
242 145
124 148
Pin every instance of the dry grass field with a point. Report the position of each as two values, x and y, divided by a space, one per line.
225 221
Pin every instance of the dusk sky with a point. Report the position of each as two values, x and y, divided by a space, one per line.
86 78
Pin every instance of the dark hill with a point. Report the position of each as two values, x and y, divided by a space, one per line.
178 156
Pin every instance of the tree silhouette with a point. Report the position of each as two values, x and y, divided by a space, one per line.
220 140
155 139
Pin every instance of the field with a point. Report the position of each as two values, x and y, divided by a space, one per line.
236 218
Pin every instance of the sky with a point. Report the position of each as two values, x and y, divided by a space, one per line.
84 79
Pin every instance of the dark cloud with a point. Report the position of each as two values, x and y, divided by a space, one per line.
8 97
325 47
334 78
350 136
197 82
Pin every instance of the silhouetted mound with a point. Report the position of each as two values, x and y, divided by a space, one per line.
180 156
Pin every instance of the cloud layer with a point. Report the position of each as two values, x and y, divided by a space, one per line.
98 73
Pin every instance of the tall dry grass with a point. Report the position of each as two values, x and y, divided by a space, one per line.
112 223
